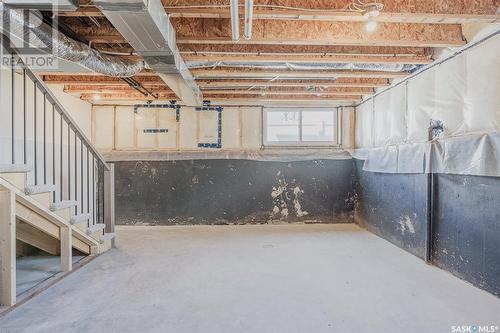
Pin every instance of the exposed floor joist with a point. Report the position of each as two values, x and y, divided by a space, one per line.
427 11
341 82
154 82
245 73
317 59
322 32
218 31
341 50
289 32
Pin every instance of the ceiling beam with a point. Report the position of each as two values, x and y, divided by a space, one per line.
96 89
303 59
339 16
218 31
93 98
342 82
310 90
284 93
105 39
341 50
271 74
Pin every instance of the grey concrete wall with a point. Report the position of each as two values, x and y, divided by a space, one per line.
393 207
233 191
465 226
467 229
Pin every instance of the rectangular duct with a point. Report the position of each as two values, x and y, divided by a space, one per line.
147 28
55 5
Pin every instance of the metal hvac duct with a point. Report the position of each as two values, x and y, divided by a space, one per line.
147 28
55 5
40 35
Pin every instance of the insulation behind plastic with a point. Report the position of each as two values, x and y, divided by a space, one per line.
463 93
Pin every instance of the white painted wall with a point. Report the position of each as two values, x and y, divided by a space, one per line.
79 110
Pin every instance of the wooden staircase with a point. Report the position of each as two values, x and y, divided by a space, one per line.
56 190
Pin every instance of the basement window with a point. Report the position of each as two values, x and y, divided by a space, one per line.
307 127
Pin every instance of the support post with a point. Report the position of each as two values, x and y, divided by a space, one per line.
7 247
66 248
109 201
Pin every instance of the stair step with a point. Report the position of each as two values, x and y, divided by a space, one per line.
62 205
107 237
14 168
80 218
95 228
37 189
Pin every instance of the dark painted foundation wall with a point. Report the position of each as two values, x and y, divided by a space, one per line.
465 226
233 191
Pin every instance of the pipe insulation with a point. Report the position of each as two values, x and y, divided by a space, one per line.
38 34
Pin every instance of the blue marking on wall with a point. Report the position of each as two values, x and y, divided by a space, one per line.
207 107
172 105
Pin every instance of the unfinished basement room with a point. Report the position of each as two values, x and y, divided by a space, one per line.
256 166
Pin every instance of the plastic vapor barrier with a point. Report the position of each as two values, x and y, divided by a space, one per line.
462 94
474 154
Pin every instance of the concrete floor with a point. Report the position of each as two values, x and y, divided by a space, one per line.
284 278
33 270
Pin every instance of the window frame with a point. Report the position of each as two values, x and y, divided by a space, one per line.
336 143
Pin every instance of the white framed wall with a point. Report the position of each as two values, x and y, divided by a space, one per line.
118 128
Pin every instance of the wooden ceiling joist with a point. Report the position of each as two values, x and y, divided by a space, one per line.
320 15
427 11
209 93
352 98
92 98
272 74
284 31
54 78
342 82
155 82
308 59
218 31
423 11
311 90
340 50
77 89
